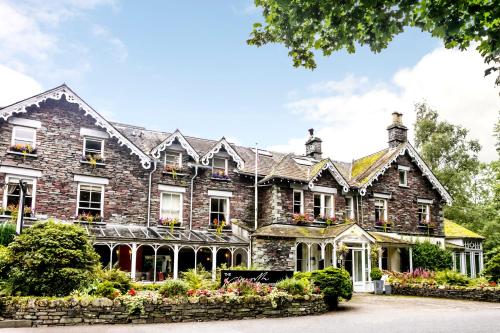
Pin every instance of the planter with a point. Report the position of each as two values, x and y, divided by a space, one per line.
388 289
378 287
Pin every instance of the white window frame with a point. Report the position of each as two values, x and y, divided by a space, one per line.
427 211
351 211
179 158
404 170
225 164
78 196
85 138
322 204
228 213
301 201
181 203
385 207
14 130
7 179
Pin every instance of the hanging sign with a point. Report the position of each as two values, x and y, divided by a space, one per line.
271 277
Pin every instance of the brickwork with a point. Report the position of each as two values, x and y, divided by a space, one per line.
274 253
472 294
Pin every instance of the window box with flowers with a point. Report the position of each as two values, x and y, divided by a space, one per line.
25 150
12 211
383 224
219 226
171 223
302 219
174 171
427 225
89 218
94 160
328 220
220 175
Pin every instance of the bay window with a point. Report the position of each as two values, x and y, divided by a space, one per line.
323 205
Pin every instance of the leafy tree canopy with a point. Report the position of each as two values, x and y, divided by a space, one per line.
304 26
431 256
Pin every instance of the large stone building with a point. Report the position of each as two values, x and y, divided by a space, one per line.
158 203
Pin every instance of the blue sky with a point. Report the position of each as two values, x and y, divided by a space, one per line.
186 65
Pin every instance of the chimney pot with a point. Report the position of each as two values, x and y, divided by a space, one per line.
313 146
397 131
311 132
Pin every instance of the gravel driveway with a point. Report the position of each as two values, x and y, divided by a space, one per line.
364 313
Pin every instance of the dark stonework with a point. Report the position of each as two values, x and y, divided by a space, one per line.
484 295
274 253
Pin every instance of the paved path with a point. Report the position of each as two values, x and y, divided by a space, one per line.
365 313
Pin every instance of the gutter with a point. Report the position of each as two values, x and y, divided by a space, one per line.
191 198
149 192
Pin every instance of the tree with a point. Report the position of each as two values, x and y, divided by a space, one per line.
304 26
51 259
431 256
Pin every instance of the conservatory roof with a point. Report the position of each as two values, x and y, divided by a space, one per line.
120 233
294 231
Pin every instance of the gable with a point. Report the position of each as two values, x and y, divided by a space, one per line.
222 143
71 97
175 137
327 166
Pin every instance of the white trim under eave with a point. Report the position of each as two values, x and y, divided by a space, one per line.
222 194
20 171
90 132
425 201
382 195
172 189
403 167
91 180
25 122
324 189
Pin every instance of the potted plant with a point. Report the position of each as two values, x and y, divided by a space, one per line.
219 226
170 222
301 219
378 284
384 224
220 175
24 149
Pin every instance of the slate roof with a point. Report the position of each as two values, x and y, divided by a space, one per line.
294 231
454 230
384 238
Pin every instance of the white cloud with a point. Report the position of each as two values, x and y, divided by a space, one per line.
351 115
117 47
16 86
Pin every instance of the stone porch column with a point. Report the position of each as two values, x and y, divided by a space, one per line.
176 261
133 261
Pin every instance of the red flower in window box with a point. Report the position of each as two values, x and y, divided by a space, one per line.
301 219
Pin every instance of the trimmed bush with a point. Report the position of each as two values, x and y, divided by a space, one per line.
492 267
119 279
431 256
173 288
5 261
106 289
52 259
294 286
302 275
451 278
334 283
7 233
376 274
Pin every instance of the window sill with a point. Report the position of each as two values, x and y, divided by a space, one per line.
177 174
98 164
226 229
11 152
425 226
25 218
176 227
380 227
89 223
404 186
221 179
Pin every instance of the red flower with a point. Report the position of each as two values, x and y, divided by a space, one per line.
132 292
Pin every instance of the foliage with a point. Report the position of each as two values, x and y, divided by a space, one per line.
302 275
198 278
106 289
5 261
173 288
376 273
431 256
244 287
492 267
7 233
450 277
147 286
52 259
134 304
294 286
334 283
304 26
119 279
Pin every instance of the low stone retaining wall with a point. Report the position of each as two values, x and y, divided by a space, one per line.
71 311
473 294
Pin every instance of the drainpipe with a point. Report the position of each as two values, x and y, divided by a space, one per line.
149 192
191 198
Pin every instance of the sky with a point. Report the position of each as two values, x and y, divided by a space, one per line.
185 64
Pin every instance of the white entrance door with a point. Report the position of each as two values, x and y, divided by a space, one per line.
357 270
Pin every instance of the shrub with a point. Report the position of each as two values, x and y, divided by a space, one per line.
173 288
7 233
52 259
119 279
492 267
198 279
376 274
302 275
334 283
5 261
106 289
294 286
431 256
451 278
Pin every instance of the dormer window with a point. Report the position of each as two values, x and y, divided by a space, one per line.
173 159
93 148
219 166
403 175
23 138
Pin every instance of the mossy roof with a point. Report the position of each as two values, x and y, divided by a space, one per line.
454 230
384 238
295 231
362 164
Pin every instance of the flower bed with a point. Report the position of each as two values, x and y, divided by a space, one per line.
151 308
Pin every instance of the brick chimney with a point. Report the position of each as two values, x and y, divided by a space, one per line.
313 146
397 131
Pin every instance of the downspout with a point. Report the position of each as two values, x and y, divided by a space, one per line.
191 198
149 192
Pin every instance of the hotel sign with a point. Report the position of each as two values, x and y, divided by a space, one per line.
228 276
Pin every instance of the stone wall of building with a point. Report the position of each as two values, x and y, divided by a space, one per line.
274 253
472 294
402 207
70 312
58 157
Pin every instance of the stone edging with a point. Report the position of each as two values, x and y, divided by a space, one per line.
472 294
71 311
